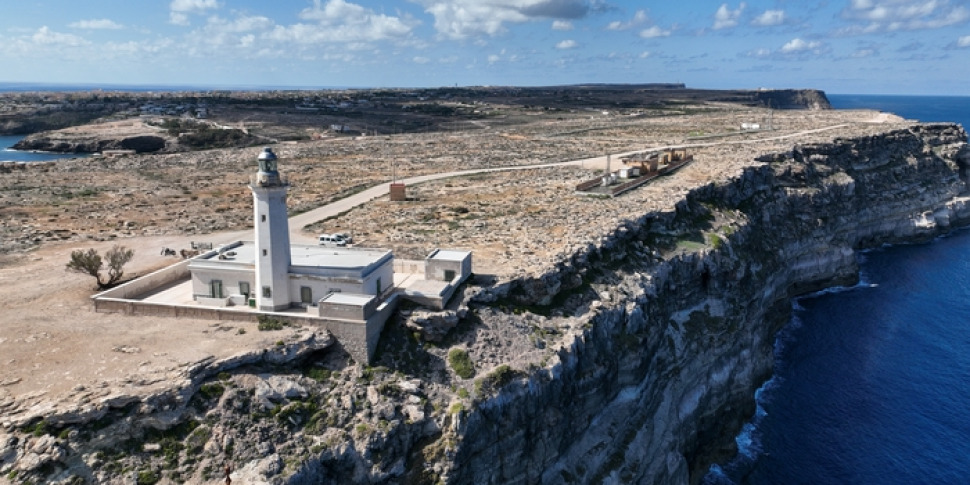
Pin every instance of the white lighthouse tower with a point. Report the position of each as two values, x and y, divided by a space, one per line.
272 235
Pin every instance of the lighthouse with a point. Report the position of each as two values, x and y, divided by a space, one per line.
272 233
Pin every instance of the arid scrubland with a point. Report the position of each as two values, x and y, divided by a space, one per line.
512 220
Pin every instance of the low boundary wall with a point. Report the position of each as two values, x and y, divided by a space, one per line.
358 337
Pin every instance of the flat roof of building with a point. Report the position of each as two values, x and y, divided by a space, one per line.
347 299
450 255
244 252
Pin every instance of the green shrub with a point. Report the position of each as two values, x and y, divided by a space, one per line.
461 363
147 477
212 390
267 323
318 374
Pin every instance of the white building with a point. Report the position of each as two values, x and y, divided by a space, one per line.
351 292
272 275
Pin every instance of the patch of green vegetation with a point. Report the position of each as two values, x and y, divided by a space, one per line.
370 373
147 477
41 428
266 323
318 374
498 378
212 390
716 241
461 363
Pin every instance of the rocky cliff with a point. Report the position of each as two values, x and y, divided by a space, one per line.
681 309
635 360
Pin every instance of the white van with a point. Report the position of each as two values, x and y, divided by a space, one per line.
332 240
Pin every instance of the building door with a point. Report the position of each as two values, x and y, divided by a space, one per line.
244 288
306 295
215 289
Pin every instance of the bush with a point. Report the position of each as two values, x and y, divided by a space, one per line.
461 363
267 324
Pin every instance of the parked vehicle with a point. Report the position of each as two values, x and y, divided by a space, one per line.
332 240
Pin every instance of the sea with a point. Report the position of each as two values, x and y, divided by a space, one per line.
872 382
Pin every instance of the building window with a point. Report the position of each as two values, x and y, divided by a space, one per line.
264 252
449 274
306 295
378 286
215 288
262 218
267 292
244 288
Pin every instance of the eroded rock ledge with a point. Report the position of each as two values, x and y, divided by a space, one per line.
645 349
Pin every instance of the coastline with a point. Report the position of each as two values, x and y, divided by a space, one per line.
629 300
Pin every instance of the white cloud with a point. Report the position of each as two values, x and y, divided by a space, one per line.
197 6
562 25
863 53
654 32
45 36
239 24
338 21
179 9
460 19
799 45
645 54
895 15
769 18
963 41
420 60
567 44
725 17
96 24
639 18
493 58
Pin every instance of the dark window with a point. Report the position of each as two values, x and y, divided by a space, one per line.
449 274
267 292
244 288
215 288
263 218
264 252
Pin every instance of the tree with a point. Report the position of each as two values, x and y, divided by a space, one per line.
90 262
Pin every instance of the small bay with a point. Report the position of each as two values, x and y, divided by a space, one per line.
9 155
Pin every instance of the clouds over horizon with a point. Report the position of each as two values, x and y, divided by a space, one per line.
461 19
615 37
872 16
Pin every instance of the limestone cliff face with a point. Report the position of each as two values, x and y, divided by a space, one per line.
663 375
812 99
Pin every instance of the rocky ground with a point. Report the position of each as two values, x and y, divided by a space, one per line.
60 358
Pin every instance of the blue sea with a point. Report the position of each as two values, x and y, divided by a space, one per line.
872 383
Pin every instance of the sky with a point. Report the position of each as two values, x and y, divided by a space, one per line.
840 46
